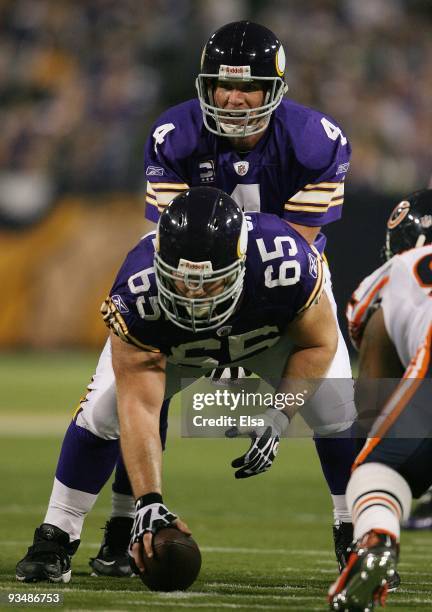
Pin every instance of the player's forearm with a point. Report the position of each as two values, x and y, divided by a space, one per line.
379 370
141 447
140 382
315 337
305 369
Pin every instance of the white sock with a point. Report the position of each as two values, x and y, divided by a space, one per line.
379 498
68 508
340 509
122 505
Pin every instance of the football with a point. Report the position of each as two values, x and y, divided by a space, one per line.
175 564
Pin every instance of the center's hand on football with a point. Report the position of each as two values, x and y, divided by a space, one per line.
150 518
264 445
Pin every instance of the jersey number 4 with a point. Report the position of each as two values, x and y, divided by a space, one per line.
160 132
333 131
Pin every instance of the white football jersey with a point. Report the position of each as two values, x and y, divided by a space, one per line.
403 288
364 301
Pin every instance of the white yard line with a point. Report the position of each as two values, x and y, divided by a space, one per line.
30 510
262 551
217 605
170 599
215 549
31 424
251 587
189 605
34 425
326 555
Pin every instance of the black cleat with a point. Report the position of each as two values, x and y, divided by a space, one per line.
393 582
343 534
363 583
49 558
112 558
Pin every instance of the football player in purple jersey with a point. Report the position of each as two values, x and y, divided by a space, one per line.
271 155
208 268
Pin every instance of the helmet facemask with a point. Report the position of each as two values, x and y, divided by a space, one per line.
200 258
250 121
241 52
201 313
389 251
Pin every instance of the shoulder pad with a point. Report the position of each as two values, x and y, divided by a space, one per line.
178 129
364 301
315 137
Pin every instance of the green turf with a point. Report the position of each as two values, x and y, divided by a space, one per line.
265 541
44 382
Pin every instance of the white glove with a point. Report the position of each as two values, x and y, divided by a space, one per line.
265 443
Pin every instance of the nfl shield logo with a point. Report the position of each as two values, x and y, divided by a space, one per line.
241 167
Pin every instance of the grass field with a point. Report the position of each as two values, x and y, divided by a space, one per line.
266 542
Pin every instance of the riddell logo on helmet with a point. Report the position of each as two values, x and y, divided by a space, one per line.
236 72
185 266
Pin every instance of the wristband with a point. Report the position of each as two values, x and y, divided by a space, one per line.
147 499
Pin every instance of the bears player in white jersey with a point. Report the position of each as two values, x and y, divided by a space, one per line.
390 318
421 517
272 155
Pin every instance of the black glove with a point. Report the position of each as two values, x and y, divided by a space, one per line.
265 443
149 516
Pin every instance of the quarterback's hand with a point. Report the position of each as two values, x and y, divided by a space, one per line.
150 516
265 443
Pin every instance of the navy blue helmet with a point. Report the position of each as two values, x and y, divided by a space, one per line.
409 224
200 258
241 52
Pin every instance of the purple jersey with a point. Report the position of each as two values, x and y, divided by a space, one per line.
283 277
295 171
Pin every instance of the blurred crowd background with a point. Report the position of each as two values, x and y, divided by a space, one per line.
81 81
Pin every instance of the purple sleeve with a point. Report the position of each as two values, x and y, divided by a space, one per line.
292 256
312 278
324 153
131 310
164 180
168 148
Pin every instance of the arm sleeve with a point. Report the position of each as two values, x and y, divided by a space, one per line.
324 156
164 174
363 303
133 287
118 325
315 280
